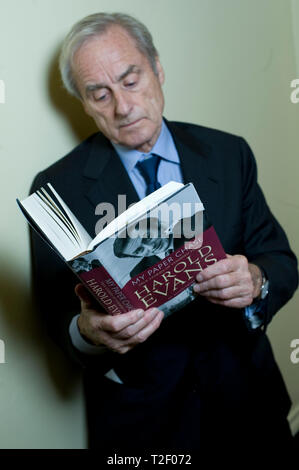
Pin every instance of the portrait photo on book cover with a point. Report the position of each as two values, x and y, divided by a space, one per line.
154 240
141 245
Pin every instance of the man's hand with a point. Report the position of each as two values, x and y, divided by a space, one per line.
231 282
120 333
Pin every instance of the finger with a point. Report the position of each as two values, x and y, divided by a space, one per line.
222 281
104 338
122 346
237 302
86 298
225 288
114 324
147 331
224 294
224 266
133 329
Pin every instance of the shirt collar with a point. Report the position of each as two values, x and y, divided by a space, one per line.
164 147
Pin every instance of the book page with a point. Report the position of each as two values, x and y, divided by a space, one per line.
84 236
50 226
54 219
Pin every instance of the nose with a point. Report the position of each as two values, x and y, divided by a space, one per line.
123 105
146 248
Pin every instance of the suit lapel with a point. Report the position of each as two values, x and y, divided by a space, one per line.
107 175
196 168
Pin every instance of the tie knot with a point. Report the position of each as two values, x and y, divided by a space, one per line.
148 169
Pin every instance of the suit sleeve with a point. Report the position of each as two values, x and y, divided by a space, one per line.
53 286
265 242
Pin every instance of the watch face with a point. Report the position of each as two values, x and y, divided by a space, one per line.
265 290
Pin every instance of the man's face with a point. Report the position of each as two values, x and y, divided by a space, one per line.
119 89
141 247
151 239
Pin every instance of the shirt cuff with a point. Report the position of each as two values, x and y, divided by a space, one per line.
254 314
79 342
83 346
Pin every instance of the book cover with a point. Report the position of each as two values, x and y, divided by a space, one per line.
147 257
153 261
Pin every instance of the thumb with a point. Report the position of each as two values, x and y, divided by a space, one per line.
84 296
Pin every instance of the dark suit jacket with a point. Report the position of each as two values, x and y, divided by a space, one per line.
203 376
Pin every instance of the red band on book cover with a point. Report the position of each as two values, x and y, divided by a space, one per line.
172 275
106 290
159 283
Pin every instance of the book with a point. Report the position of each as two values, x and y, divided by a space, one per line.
146 257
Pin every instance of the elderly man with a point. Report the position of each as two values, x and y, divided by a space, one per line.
204 378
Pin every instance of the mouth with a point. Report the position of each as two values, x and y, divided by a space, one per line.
131 124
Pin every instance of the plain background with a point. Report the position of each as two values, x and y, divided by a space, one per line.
228 65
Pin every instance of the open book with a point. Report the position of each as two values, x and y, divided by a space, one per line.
147 256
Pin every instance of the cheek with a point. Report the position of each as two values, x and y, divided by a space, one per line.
152 97
103 121
157 102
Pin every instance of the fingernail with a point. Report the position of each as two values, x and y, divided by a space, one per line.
154 311
140 313
199 277
196 288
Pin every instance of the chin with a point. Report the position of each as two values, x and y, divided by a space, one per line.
136 141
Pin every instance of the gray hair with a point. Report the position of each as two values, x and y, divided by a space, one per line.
95 25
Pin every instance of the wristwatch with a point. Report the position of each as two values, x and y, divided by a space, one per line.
264 287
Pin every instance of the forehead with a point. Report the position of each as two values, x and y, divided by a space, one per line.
110 50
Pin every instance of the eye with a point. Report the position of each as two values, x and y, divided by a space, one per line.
131 80
101 95
100 98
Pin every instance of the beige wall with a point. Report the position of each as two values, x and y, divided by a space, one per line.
295 18
228 65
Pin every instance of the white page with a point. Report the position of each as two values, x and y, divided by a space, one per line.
85 237
55 234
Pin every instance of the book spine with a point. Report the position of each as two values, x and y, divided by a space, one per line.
107 292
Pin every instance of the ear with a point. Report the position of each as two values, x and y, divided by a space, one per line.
161 75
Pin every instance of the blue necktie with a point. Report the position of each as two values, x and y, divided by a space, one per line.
148 169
